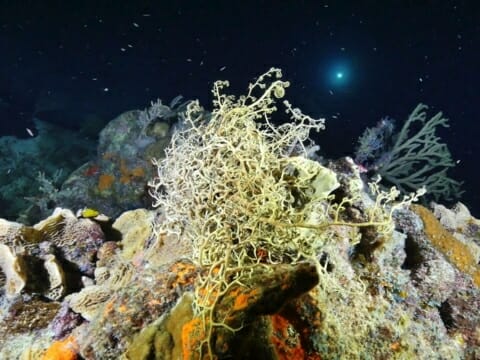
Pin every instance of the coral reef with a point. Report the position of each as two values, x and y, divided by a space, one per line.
255 251
40 265
29 166
112 180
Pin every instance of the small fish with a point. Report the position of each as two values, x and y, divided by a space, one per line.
89 213
30 132
222 68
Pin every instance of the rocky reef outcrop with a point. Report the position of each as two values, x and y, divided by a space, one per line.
79 288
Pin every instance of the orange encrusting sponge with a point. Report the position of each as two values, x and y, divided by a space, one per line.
456 251
66 349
